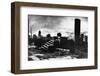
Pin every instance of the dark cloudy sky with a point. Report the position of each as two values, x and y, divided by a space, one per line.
55 24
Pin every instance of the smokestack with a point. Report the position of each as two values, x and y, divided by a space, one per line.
77 29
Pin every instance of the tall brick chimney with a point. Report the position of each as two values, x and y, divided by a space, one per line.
77 29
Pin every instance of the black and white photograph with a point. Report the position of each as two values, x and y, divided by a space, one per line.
53 37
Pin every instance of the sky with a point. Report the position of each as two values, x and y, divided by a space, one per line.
55 24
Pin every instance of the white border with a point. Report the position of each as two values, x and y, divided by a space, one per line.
25 64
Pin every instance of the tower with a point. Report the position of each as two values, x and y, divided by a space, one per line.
39 33
77 45
77 29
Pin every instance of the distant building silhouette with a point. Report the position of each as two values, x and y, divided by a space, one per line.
34 37
39 33
48 37
82 37
86 39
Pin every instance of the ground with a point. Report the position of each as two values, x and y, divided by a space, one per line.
35 54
